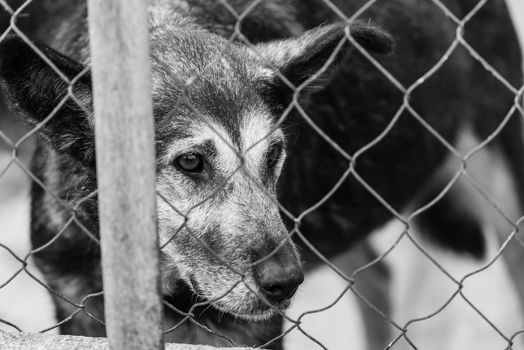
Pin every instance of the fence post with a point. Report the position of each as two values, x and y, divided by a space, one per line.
126 172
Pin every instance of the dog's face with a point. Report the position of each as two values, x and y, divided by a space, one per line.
220 151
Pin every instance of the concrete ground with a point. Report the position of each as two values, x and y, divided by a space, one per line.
27 304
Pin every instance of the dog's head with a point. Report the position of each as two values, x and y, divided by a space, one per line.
220 149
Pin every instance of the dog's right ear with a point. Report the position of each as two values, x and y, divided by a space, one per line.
301 58
35 90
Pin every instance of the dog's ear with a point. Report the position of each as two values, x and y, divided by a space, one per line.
35 90
299 59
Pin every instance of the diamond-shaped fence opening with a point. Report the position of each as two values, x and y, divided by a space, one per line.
375 145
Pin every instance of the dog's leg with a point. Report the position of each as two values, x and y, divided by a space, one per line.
86 312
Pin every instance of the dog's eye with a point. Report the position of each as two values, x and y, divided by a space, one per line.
192 163
273 155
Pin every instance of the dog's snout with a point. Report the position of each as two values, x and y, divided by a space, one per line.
278 285
278 277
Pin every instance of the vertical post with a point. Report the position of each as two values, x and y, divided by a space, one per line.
126 172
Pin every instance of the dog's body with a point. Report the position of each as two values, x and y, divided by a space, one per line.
463 234
242 100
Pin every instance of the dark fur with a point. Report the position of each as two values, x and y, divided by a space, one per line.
353 109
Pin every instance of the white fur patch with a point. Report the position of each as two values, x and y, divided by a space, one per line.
341 326
419 288
257 133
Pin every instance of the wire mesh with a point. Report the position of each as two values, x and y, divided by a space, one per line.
205 318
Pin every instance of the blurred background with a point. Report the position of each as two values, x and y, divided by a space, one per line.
27 304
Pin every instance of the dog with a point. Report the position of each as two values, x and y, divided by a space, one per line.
331 192
414 286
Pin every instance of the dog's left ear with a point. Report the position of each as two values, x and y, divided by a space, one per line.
298 59
38 94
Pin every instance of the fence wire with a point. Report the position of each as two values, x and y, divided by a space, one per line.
19 146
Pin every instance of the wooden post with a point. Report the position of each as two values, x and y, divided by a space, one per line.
126 172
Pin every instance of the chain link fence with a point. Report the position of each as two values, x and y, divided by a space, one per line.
431 177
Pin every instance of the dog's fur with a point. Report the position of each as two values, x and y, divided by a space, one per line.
233 107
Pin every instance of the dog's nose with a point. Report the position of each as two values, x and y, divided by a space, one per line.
278 278
280 286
